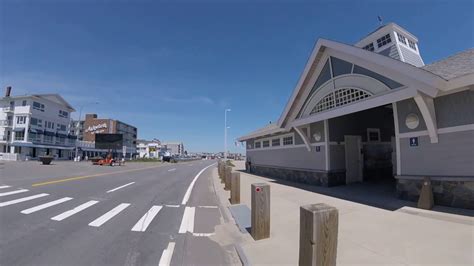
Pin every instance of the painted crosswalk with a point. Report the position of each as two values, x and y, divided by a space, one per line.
13 192
145 221
4 187
77 209
109 215
45 205
11 202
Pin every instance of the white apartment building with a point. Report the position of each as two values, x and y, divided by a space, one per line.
35 125
148 149
175 148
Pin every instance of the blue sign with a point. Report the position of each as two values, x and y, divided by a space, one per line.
414 142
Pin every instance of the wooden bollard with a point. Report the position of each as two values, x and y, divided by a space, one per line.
227 175
260 211
426 200
318 235
235 188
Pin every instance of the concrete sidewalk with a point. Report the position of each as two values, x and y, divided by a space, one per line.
367 235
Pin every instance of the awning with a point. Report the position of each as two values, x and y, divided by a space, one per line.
27 144
19 129
61 135
72 136
47 133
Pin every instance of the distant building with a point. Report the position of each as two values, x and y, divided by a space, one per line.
35 125
148 149
92 125
175 148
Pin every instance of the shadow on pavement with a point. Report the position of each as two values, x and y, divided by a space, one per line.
375 194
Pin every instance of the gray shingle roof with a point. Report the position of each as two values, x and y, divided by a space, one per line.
453 66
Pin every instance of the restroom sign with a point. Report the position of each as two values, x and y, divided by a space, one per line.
414 142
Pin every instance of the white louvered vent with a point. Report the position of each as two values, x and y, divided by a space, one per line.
338 98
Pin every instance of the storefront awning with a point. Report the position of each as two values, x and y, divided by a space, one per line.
19 129
29 144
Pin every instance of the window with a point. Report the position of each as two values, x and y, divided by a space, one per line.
288 140
61 127
20 120
265 143
384 40
33 121
373 135
48 139
48 124
340 97
276 142
412 45
369 47
402 38
40 123
20 135
63 114
38 106
257 145
23 103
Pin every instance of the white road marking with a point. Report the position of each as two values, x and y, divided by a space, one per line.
208 207
117 188
6 203
109 215
4 187
203 234
171 170
190 164
165 259
190 188
13 192
71 212
187 223
46 205
145 221
172 206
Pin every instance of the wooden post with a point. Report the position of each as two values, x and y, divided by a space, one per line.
235 188
227 176
260 211
426 200
318 235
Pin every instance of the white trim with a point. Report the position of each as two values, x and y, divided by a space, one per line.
289 147
397 138
303 136
427 109
443 130
326 140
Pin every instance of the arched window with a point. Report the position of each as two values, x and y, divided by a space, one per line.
338 98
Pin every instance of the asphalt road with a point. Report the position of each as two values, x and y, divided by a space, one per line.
138 214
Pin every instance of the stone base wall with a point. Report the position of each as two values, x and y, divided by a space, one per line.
318 178
458 194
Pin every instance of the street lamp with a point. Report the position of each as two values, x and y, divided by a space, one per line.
225 133
77 126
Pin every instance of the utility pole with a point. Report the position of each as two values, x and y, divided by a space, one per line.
77 128
225 133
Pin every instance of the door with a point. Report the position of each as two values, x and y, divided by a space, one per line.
34 153
353 158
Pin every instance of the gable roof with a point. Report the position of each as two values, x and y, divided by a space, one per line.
454 66
55 98
430 82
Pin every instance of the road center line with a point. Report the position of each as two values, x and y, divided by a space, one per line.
190 188
13 192
117 188
46 205
89 176
6 203
165 259
109 215
71 212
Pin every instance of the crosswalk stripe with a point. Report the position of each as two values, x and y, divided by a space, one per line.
167 255
13 192
4 187
45 205
6 203
117 188
187 223
71 212
145 221
109 215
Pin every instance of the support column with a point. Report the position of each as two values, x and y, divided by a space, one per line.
304 137
426 105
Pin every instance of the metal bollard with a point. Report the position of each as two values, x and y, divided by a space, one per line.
260 211
235 188
318 235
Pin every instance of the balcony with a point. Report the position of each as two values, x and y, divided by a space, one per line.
8 109
6 123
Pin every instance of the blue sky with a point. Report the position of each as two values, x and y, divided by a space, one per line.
172 68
